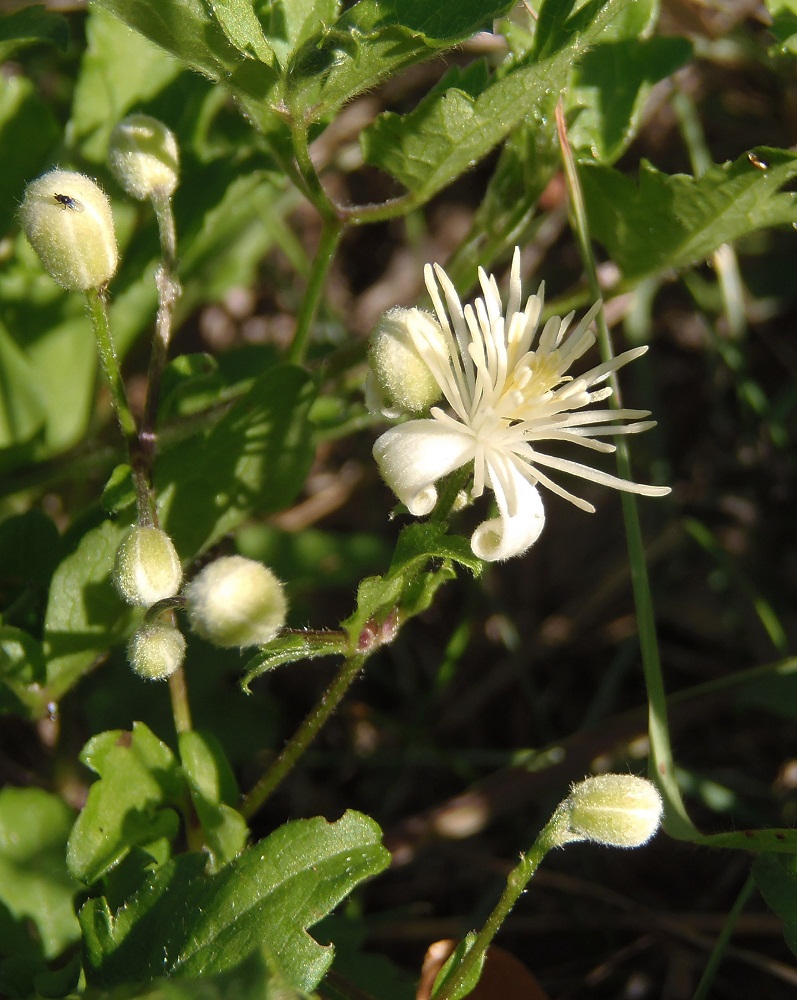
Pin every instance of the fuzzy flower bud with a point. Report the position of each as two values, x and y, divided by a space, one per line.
619 810
156 651
236 601
143 157
67 219
147 567
396 359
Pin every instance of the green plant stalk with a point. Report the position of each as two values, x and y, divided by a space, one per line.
303 736
662 765
710 971
725 261
98 313
331 232
178 694
516 883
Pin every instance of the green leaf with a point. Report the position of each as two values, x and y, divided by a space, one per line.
254 459
467 114
289 23
188 29
453 962
139 778
239 23
784 23
84 616
120 70
375 39
34 883
256 978
776 878
409 586
21 672
291 649
22 403
185 923
29 128
674 221
31 26
611 87
213 792
29 548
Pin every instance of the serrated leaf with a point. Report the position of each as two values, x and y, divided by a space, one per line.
188 30
31 26
255 978
291 649
213 792
185 923
254 459
776 878
459 122
375 39
85 616
663 221
139 780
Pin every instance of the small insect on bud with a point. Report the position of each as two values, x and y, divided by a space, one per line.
236 601
67 219
619 810
147 567
156 651
397 362
143 157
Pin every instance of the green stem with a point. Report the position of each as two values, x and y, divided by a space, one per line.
169 292
662 766
710 971
331 232
98 312
178 693
516 883
304 735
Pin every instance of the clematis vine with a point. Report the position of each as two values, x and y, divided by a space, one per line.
508 395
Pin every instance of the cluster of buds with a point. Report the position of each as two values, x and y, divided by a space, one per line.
233 602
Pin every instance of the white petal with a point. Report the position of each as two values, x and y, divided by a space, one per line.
413 456
512 533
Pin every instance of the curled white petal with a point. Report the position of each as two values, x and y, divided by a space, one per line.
413 456
521 519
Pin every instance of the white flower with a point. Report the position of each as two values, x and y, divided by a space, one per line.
507 394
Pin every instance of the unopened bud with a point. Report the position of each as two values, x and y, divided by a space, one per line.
143 157
156 651
67 219
147 568
397 362
619 810
236 601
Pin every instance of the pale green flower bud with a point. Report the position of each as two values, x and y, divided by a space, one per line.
396 360
147 567
143 157
156 651
67 219
236 601
619 810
